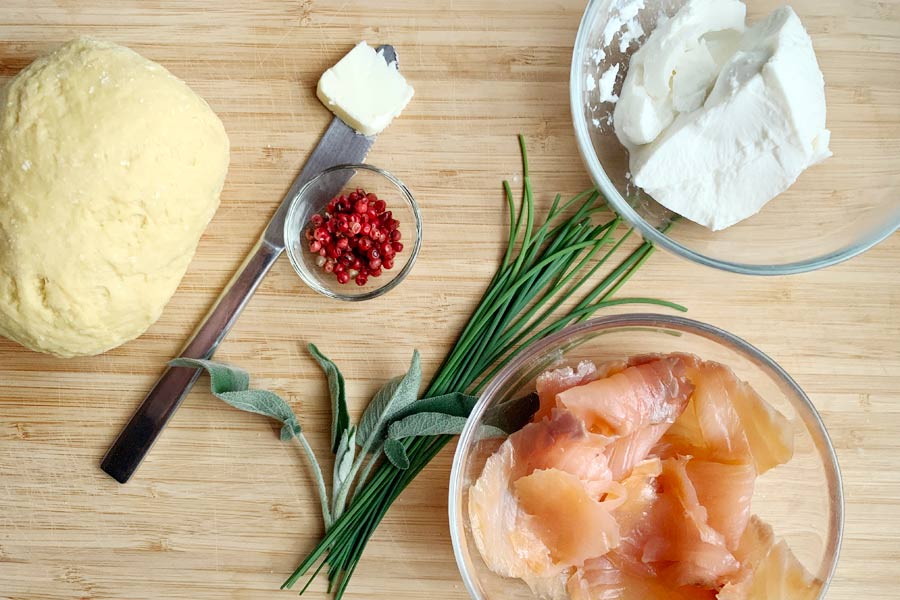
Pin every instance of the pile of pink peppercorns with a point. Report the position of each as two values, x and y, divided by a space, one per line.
356 238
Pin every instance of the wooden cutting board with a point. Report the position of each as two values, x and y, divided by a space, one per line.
221 509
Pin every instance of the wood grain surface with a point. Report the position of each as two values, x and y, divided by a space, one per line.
221 509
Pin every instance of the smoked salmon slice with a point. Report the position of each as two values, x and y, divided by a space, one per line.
494 517
647 394
727 421
622 454
681 535
499 527
550 383
563 443
604 578
572 525
725 492
770 571
640 491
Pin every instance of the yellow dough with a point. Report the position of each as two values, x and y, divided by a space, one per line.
110 169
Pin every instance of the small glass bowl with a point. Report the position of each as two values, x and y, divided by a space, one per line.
835 210
802 500
314 197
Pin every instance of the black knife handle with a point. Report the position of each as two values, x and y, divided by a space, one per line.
151 417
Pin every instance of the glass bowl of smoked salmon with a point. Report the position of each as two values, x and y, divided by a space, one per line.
645 457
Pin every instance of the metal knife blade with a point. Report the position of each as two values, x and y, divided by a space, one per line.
339 145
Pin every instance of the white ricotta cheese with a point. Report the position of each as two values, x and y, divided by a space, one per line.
622 12
632 33
607 83
622 15
364 91
718 118
675 68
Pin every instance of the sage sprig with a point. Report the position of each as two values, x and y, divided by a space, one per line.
232 386
395 413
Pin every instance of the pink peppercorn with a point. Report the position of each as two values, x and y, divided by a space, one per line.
355 238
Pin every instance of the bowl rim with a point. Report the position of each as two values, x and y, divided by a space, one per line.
650 233
646 320
290 235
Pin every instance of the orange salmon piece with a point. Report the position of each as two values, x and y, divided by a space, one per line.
561 442
769 570
680 540
604 578
647 394
725 492
727 421
572 525
622 454
550 383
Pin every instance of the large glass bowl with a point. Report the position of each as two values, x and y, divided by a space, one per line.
801 499
836 209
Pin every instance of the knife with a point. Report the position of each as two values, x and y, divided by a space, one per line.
339 145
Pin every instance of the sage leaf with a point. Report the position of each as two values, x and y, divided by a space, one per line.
268 404
340 416
456 404
230 385
222 377
396 395
396 453
426 423
432 423
260 402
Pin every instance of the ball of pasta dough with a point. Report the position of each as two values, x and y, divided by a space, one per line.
110 169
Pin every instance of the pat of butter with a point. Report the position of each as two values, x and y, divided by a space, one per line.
364 91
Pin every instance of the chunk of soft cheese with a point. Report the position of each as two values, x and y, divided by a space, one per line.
607 83
364 91
719 119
